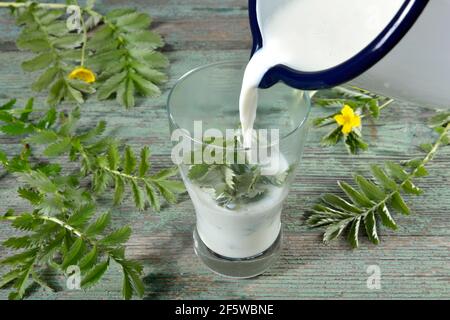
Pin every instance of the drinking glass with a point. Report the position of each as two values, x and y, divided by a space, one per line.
237 236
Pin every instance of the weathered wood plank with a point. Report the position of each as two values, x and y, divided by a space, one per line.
413 260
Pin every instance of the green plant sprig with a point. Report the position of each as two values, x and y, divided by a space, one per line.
372 200
124 56
63 230
119 48
365 103
99 156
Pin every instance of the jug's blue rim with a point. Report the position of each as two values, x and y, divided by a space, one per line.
348 70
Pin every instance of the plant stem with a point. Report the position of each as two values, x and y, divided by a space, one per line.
54 220
124 175
83 26
425 160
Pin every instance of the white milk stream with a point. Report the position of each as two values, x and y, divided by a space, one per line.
342 28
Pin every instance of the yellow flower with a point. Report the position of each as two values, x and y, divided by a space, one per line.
348 119
83 74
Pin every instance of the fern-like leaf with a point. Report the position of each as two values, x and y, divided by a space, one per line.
371 200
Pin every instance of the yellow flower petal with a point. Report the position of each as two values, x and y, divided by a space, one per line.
347 111
339 119
83 74
347 128
356 121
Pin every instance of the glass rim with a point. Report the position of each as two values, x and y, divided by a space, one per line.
214 64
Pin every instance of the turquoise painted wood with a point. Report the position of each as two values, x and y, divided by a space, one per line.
414 261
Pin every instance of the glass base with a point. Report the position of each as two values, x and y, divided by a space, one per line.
237 268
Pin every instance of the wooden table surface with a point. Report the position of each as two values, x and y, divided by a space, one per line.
414 261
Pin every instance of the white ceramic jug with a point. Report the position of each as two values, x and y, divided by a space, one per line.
398 48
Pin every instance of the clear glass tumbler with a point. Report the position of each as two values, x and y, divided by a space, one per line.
238 202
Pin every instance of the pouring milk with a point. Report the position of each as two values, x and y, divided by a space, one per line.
334 41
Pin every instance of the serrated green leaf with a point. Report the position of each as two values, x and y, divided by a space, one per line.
119 12
134 21
116 237
332 138
89 259
110 86
39 180
33 196
421 171
18 242
35 45
3 157
39 62
20 258
127 288
165 173
357 197
144 164
94 275
8 105
100 181
354 143
125 93
25 222
58 148
21 283
353 233
439 120
132 281
399 204
69 41
369 189
42 137
383 178
156 59
82 215
16 129
166 193
46 79
99 225
113 157
137 195
152 196
371 227
426 147
340 203
119 190
9 277
335 230
144 86
146 38
129 160
173 186
74 94
386 217
49 16
411 188
396 171
72 255
57 92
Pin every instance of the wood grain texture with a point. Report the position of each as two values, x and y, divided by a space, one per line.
414 261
